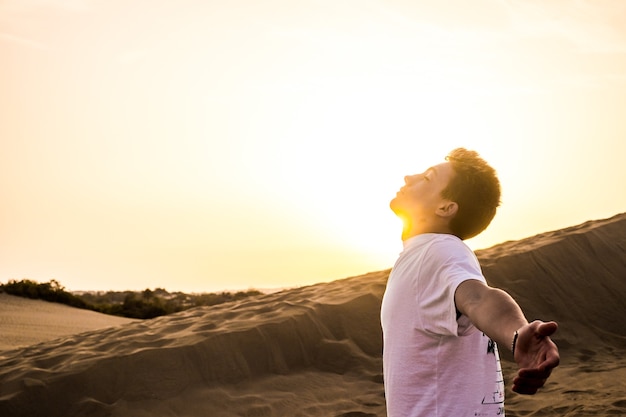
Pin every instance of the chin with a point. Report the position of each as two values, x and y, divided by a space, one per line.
394 205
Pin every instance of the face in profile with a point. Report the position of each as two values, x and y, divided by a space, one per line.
421 193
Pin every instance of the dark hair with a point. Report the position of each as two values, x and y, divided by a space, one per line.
476 189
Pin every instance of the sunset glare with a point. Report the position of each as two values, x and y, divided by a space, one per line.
202 146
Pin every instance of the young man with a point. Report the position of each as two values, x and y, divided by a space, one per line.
442 324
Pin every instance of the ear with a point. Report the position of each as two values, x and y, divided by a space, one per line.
447 209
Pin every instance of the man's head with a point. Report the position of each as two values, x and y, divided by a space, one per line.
459 196
476 189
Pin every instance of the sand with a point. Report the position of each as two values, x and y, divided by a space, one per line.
25 322
316 350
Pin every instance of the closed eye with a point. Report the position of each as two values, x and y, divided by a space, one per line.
428 172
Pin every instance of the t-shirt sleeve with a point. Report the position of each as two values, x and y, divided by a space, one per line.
448 263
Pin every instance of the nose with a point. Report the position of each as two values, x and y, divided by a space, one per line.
410 178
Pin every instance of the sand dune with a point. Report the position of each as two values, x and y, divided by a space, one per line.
25 322
576 276
316 351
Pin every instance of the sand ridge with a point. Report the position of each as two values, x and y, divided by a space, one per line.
272 335
316 350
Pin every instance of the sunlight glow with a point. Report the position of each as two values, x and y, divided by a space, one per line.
210 145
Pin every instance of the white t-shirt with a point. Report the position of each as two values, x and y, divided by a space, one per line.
436 365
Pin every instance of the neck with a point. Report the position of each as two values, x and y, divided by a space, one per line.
411 229
408 232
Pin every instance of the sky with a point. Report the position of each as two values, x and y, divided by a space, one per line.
202 146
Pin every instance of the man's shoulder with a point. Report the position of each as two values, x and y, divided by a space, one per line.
436 248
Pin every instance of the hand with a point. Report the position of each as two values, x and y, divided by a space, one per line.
536 355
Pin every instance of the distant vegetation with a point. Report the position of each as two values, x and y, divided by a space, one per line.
145 304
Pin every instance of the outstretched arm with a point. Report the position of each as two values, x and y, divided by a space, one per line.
495 313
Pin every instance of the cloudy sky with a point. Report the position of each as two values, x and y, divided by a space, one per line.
201 145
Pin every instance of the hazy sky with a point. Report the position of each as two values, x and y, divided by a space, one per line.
207 145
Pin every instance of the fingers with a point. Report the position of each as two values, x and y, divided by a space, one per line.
527 386
528 381
550 362
534 373
547 328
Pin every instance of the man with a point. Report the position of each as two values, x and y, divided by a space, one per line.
440 319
